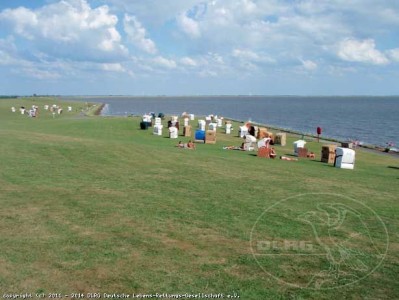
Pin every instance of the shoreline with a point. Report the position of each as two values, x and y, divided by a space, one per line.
98 110
370 147
94 110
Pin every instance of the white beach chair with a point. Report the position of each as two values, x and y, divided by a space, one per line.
250 142
228 128
243 131
158 129
173 132
213 126
201 125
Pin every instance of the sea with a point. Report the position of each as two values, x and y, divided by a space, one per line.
369 120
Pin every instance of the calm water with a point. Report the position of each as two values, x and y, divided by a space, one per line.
371 120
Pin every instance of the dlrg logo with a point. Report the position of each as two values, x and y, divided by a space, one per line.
319 241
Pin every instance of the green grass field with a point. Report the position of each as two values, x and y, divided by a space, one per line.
94 205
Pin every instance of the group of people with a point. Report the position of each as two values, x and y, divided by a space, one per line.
249 140
34 111
264 143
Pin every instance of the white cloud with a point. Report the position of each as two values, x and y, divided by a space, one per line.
250 55
154 12
137 34
361 51
309 65
164 62
8 51
247 54
115 67
394 54
187 61
40 74
22 18
210 38
215 59
189 26
68 28
208 73
249 6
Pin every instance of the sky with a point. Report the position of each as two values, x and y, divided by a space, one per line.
199 47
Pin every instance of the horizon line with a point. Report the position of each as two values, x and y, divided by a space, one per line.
197 95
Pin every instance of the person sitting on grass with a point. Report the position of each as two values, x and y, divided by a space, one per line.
190 145
311 155
180 145
272 153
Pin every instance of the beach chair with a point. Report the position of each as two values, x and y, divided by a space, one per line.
298 144
264 152
201 125
228 128
302 152
157 129
210 137
186 121
242 131
281 139
173 132
250 142
213 126
158 121
344 158
199 136
187 131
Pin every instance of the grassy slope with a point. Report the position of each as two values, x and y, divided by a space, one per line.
95 204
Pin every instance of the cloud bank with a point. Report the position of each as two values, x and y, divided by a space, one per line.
229 41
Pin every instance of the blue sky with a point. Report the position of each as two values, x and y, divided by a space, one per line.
181 47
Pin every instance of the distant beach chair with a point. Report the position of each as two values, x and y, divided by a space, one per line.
158 129
201 125
228 128
158 121
250 142
242 131
213 126
173 132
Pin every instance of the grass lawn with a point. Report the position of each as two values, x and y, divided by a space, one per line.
94 204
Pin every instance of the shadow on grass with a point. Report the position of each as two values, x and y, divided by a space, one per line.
393 167
322 163
290 154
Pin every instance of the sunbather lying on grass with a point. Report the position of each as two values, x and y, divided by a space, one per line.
190 145
288 158
234 147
